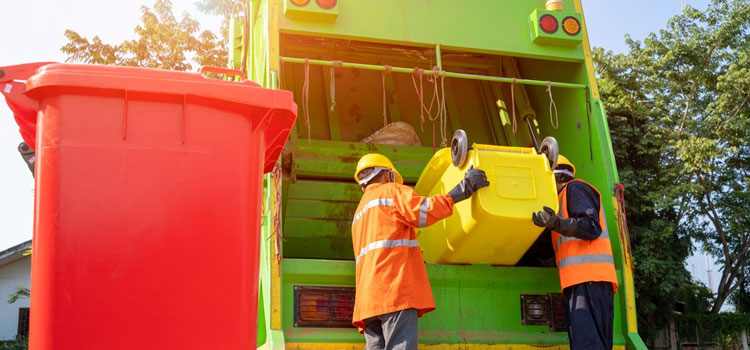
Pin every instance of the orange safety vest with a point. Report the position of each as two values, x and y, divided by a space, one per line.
391 274
581 260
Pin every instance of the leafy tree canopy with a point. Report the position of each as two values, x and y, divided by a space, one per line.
162 41
680 120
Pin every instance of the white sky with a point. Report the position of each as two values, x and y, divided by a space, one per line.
32 30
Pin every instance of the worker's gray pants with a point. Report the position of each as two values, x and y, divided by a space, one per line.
393 331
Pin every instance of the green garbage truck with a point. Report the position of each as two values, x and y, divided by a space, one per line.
399 77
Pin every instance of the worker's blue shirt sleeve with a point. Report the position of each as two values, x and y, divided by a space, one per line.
583 205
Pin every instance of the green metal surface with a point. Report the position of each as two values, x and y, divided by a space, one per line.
381 68
475 304
482 45
489 26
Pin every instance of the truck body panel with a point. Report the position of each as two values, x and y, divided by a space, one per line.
327 60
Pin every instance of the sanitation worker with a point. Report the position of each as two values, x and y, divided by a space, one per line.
584 259
392 288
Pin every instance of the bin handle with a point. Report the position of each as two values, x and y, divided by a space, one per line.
20 71
225 71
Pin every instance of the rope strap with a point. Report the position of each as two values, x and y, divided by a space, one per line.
556 121
306 98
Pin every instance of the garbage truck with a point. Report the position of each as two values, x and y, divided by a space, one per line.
170 208
400 78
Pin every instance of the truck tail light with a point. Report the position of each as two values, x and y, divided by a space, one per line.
544 310
300 2
548 23
326 4
323 306
571 26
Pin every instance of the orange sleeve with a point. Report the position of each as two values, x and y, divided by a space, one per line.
418 211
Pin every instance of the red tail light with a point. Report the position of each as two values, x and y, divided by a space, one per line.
548 23
323 306
326 4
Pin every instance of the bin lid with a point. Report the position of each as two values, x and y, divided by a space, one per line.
275 109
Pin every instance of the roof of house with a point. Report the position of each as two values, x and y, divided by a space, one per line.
14 253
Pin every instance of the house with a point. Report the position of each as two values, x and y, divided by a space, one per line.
15 271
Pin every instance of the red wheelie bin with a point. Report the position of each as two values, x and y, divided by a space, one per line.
148 199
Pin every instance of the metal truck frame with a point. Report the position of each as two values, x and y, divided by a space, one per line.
354 65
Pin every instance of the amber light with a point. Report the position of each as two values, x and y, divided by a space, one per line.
300 2
571 26
548 23
326 4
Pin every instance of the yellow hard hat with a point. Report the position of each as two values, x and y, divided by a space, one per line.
376 160
563 161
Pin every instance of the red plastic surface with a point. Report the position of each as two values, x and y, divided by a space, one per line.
148 197
23 108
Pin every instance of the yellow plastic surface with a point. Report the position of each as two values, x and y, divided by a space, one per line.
493 226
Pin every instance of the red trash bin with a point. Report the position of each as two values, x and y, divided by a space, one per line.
147 209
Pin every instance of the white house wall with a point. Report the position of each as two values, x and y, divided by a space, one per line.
13 275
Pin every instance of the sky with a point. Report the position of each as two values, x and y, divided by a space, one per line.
32 30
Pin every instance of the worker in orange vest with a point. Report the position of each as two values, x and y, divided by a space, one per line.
392 288
584 259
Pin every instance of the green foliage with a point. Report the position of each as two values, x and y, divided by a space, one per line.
21 292
722 328
680 120
22 344
659 246
696 297
741 298
162 42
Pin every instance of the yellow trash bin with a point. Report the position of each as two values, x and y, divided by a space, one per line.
493 226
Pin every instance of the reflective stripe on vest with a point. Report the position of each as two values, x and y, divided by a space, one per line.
586 259
604 235
387 243
423 212
380 202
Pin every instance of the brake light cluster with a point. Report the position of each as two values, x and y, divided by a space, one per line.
323 306
560 28
544 310
570 25
324 4
322 10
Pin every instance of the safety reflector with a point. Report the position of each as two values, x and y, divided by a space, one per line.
544 310
571 26
323 306
300 2
548 23
326 4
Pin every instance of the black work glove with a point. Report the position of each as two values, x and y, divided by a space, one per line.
474 179
549 219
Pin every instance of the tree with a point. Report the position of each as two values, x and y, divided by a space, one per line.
660 246
162 42
679 116
699 80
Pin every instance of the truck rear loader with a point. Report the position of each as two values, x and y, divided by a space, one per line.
503 71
